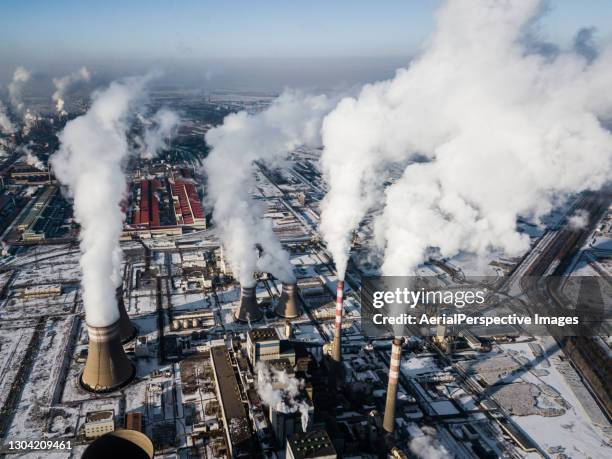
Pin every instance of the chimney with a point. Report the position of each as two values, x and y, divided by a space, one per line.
337 349
107 367
394 368
287 306
127 330
248 311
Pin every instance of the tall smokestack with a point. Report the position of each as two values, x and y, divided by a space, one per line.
107 367
394 368
127 330
337 349
287 306
248 311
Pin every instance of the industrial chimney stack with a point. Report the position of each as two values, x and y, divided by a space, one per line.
127 330
107 367
394 369
337 347
248 311
287 306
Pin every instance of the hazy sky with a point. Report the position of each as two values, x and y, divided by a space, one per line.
45 32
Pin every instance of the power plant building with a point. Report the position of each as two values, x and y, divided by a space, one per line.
310 445
237 429
98 423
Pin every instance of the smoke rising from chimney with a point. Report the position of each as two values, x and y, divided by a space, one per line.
93 149
504 132
280 391
30 158
6 125
15 87
427 446
62 85
292 120
162 128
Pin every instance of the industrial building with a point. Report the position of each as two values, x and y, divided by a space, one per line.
98 423
310 445
237 428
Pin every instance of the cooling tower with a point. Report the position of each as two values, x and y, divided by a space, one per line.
248 311
120 443
107 367
127 328
337 349
394 368
287 306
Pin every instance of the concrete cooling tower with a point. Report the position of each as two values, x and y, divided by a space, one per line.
120 443
107 367
248 310
287 306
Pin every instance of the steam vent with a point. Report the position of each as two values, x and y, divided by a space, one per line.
287 306
107 367
248 311
126 327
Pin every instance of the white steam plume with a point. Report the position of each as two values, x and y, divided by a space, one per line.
6 125
63 84
427 447
292 120
281 392
505 132
15 87
579 219
164 125
93 149
30 158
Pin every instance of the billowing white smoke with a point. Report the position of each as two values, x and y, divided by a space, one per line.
30 158
6 125
499 132
280 391
93 150
292 120
579 219
163 127
15 87
427 447
63 84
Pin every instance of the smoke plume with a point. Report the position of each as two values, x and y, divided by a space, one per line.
427 447
6 125
498 130
93 149
280 391
62 85
162 128
292 120
30 158
15 87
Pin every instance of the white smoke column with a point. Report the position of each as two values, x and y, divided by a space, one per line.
579 219
506 132
63 84
31 159
427 447
164 125
292 120
93 149
15 87
6 125
280 391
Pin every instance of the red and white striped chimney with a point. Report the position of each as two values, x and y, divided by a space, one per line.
337 349
394 369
